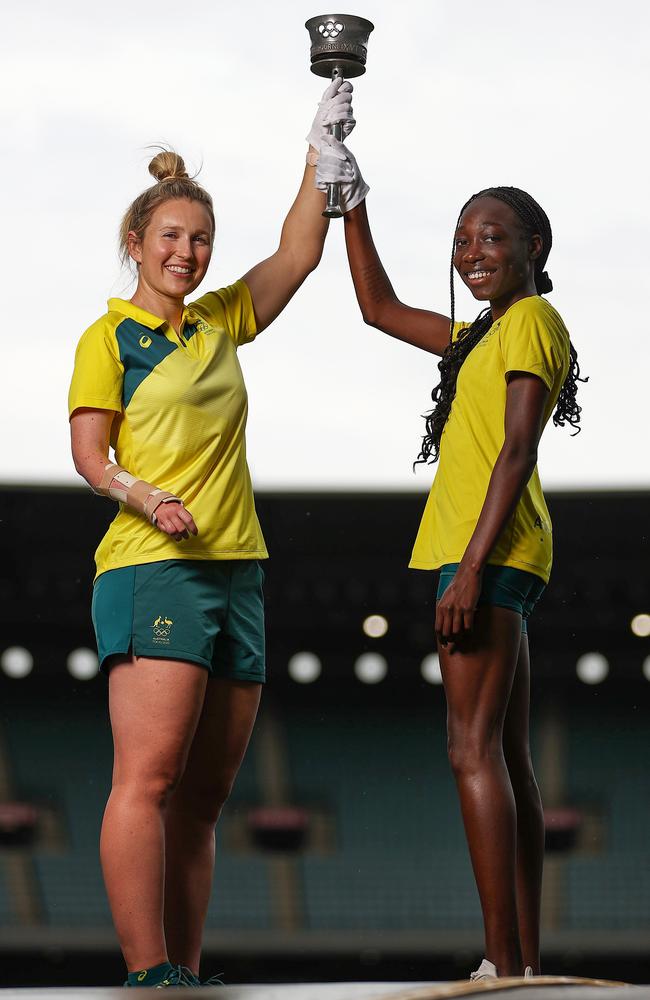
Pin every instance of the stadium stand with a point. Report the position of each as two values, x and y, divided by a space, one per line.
399 859
608 754
396 858
6 908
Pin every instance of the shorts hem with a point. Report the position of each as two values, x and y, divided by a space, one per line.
173 654
155 654
235 675
499 603
488 603
106 656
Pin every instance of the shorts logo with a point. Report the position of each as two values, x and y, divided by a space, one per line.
142 976
162 629
145 340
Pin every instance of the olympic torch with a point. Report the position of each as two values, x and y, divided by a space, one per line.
339 47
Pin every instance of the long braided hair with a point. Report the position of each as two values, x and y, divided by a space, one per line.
567 411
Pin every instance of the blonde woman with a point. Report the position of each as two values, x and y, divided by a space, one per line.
177 603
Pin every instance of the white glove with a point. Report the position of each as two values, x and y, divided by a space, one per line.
335 106
337 165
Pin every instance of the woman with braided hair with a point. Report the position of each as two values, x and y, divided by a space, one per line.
177 601
486 526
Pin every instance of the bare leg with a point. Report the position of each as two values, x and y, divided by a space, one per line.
154 707
530 817
216 754
478 678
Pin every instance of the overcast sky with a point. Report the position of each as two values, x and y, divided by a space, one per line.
550 97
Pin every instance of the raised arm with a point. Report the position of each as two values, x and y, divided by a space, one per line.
377 300
379 304
274 281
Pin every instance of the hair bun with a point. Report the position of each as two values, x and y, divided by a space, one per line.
167 165
543 283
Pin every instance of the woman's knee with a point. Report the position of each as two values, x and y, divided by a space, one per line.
469 751
152 785
202 800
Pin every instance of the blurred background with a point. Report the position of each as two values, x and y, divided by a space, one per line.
341 851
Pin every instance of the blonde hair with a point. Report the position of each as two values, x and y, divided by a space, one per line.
173 181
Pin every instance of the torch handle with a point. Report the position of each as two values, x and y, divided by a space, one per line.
333 208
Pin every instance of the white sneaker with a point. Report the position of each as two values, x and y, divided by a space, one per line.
486 970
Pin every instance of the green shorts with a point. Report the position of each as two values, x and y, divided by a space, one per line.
209 612
502 587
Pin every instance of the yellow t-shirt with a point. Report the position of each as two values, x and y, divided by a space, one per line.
529 337
180 414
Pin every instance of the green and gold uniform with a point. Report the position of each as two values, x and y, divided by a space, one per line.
529 337
180 415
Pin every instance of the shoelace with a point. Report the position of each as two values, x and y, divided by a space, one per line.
213 980
180 976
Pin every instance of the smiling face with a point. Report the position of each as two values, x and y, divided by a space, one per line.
174 253
493 254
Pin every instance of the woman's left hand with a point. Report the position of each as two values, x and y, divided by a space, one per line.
457 606
335 106
337 165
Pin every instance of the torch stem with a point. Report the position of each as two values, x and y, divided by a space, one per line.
333 208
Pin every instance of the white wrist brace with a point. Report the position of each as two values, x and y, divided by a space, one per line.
120 485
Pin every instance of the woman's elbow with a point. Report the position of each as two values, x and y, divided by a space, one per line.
81 467
311 262
88 466
312 256
372 319
371 313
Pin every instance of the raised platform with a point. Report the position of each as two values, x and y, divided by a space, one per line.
539 988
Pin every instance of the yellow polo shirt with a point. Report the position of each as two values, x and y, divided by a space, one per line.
529 337
180 415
